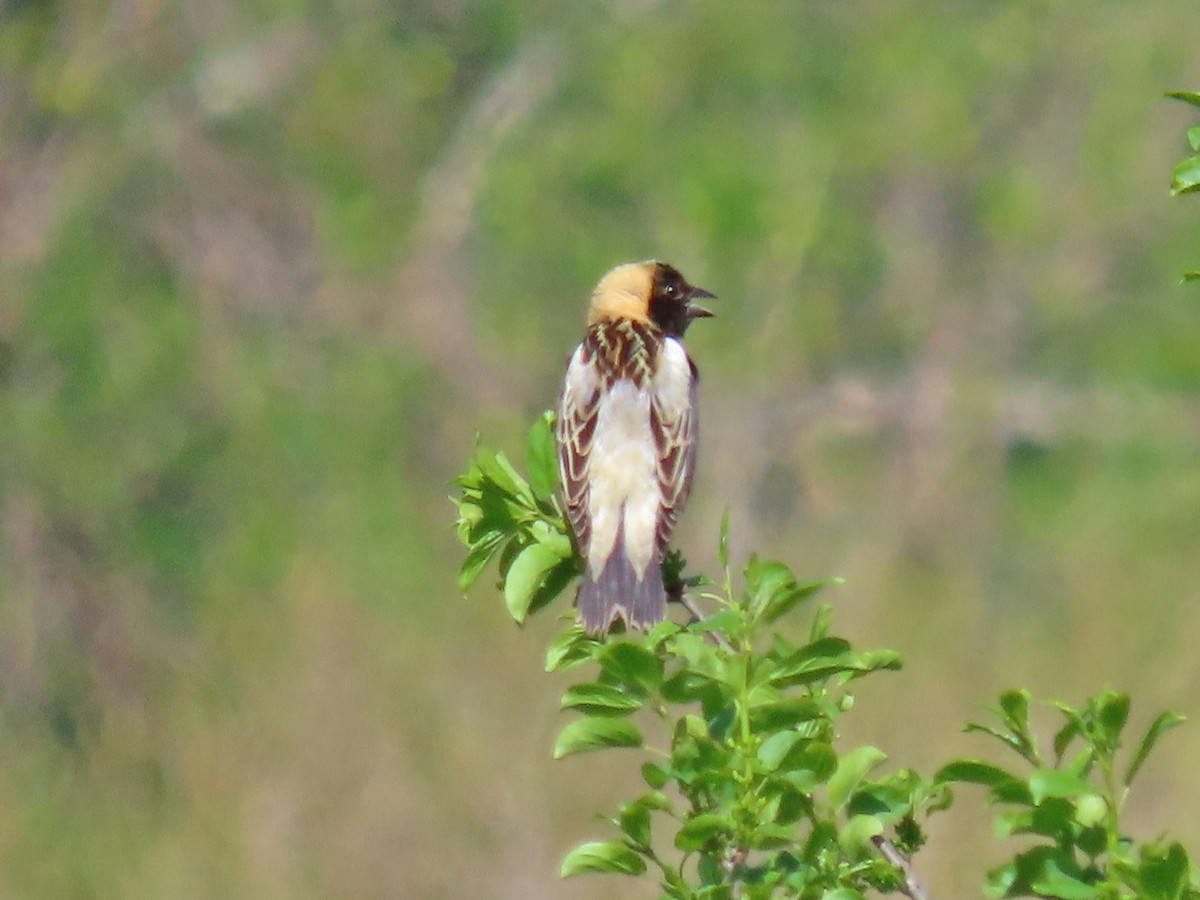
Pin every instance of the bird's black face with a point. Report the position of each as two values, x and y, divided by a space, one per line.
671 306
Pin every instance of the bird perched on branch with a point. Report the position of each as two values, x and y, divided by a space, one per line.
627 439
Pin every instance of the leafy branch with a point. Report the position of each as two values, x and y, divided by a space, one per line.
1071 807
1185 179
747 791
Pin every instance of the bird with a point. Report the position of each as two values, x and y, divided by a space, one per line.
626 433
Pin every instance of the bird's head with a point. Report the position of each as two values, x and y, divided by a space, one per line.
649 291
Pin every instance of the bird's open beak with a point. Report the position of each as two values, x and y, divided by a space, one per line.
699 312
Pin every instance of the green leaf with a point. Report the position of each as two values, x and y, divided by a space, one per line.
594 699
655 800
700 829
940 798
552 538
631 664
1016 791
843 893
675 887
685 687
973 771
472 480
1191 97
635 822
477 559
541 456
1092 839
659 633
469 515
524 576
1191 276
814 762
1016 742
772 837
507 555
727 621
1064 736
571 647
820 660
856 836
1052 817
772 591
608 857
495 467
784 714
786 804
784 602
1014 711
822 837
1056 783
1113 714
852 768
1013 821
655 775
876 661
1001 881
1185 179
708 867
491 513
872 801
595 733
764 579
774 749
553 584
1081 765
1164 873
820 622
1193 135
701 656
1160 726
1054 882
1043 870
824 649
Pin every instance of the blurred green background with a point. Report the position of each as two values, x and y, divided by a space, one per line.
267 267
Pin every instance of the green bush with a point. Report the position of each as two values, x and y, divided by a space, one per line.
747 789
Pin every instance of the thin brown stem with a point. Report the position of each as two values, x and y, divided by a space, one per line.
912 886
697 615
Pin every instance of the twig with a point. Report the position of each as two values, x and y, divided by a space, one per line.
694 611
911 887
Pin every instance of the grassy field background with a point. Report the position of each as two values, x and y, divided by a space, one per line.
267 268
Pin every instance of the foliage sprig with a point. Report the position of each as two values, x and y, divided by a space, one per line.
747 790
1185 179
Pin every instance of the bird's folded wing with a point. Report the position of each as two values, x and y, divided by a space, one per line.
674 423
578 410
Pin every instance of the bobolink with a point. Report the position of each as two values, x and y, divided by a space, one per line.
627 439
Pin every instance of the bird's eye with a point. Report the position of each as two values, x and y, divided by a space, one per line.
671 290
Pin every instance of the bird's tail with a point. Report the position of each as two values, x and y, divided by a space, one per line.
617 593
